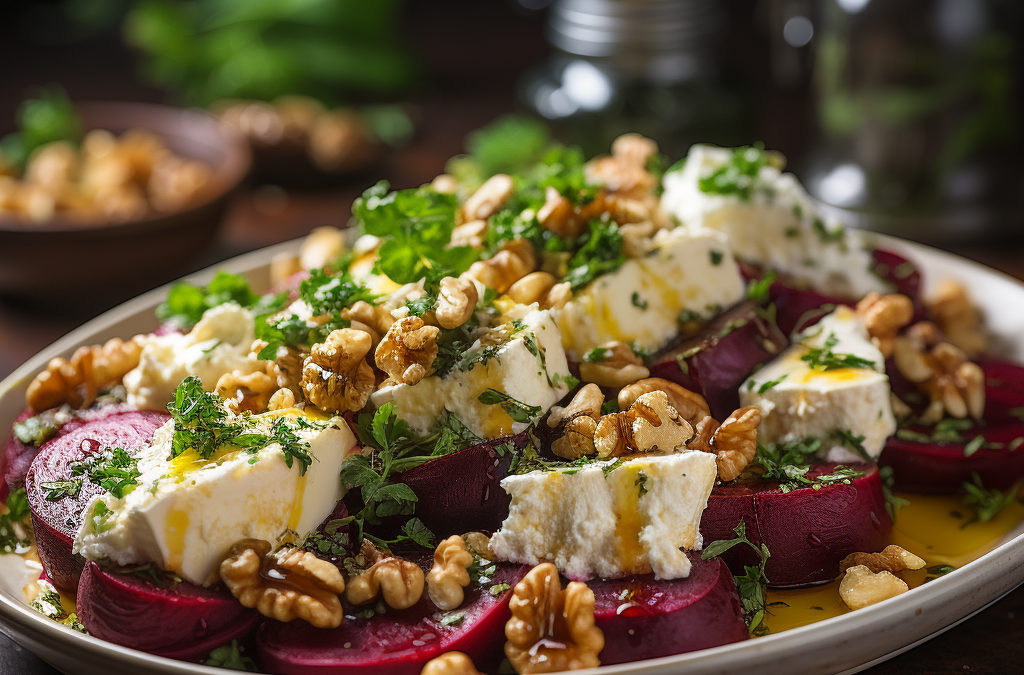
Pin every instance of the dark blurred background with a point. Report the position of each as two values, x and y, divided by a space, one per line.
905 116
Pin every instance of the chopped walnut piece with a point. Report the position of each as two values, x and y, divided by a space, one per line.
470 234
619 367
286 366
958 318
399 581
704 432
282 399
479 543
489 198
892 558
559 215
250 392
954 385
735 442
408 350
650 425
445 184
861 587
884 316
575 424
447 578
450 663
77 381
551 629
321 247
636 238
513 262
689 404
532 288
624 172
335 376
285 585
376 317
456 302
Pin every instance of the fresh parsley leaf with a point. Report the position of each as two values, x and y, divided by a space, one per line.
716 257
509 145
892 502
974 445
186 303
113 470
59 489
330 294
517 410
854 444
641 483
770 384
638 301
758 289
416 226
752 585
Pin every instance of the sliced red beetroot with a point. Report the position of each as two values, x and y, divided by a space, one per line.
902 273
457 493
153 612
807 531
935 467
55 521
721 356
18 456
645 618
397 642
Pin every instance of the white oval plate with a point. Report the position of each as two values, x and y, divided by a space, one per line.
845 643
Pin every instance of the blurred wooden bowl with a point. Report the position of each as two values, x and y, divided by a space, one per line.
62 258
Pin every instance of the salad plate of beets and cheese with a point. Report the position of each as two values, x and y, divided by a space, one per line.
617 413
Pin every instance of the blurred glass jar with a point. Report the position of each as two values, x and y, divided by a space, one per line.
648 66
919 112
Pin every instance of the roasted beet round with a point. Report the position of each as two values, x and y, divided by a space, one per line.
721 356
148 610
941 467
807 531
55 521
645 618
397 643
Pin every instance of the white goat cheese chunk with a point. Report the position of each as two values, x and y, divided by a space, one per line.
687 273
522 361
779 226
187 511
798 400
609 519
218 344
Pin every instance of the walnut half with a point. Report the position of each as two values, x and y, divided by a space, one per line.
861 587
575 424
399 581
77 381
735 442
618 366
892 558
335 376
408 350
650 425
285 585
551 629
448 576
450 663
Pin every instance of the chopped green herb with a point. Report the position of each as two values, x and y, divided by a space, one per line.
113 470
758 290
854 444
15 526
600 253
498 589
716 257
230 657
597 354
186 303
986 503
48 603
59 489
823 358
610 406
641 483
974 445
40 428
452 618
517 410
752 586
738 175
769 384
826 235
892 502
638 301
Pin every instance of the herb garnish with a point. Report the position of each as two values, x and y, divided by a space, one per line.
15 527
416 226
758 290
600 253
823 358
230 657
986 503
752 586
186 303
517 410
47 603
770 384
638 301
641 483
892 502
789 464
737 176
716 257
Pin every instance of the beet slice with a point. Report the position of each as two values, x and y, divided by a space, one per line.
941 468
807 531
18 456
721 356
462 492
155 613
55 523
396 642
645 618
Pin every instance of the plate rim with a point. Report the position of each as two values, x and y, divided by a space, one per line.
983 574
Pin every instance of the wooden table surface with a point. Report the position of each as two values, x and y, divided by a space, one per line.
472 81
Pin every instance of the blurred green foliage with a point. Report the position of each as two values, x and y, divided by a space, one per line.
42 120
207 50
511 144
